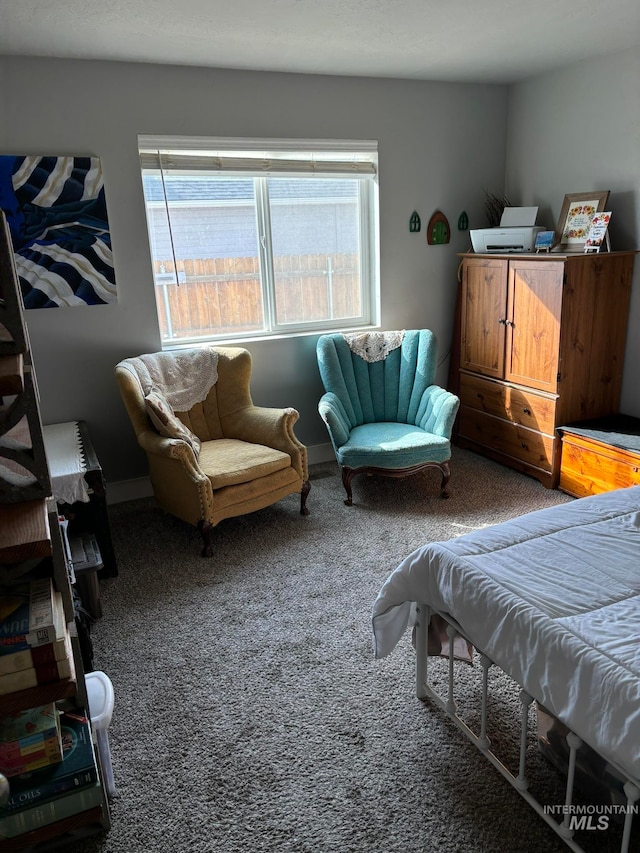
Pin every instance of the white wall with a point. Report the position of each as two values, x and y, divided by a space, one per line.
577 130
440 146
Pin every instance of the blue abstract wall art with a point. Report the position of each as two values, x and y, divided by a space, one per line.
57 216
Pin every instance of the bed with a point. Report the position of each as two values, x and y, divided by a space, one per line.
553 599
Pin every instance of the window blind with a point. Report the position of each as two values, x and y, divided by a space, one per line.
327 159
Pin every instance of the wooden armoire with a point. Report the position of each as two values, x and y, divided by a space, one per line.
539 343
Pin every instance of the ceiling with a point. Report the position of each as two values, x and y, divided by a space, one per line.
495 41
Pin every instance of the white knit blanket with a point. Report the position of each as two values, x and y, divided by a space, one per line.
374 346
184 377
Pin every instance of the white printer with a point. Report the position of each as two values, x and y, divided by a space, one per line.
516 233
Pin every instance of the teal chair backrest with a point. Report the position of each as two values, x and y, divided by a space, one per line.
387 390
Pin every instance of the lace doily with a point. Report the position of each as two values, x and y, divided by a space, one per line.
67 462
374 346
184 378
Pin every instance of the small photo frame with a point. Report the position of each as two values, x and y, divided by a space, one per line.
578 209
598 235
544 241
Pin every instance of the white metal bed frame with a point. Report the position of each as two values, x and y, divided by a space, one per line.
483 743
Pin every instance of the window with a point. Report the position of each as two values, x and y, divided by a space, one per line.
260 238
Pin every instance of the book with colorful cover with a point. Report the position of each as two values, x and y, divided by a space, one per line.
30 739
50 753
22 727
76 771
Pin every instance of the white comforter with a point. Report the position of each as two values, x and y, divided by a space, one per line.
553 598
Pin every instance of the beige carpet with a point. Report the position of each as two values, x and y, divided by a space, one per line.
250 714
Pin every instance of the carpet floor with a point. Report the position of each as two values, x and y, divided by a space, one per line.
250 714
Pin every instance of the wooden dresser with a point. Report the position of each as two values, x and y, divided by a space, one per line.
540 342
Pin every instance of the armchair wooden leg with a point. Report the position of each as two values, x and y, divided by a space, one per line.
206 531
446 476
347 476
306 488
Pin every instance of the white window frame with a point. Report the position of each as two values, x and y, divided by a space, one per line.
260 159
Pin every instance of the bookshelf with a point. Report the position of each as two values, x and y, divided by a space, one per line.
32 545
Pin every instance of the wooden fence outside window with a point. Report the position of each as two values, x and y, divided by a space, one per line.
223 295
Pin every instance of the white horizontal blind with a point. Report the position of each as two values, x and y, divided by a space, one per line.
260 157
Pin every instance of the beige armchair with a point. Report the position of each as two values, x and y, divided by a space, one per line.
219 456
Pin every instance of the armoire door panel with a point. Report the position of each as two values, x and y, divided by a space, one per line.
483 317
533 324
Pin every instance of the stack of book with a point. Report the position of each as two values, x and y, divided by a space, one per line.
35 646
58 790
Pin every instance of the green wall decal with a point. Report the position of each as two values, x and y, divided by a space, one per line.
414 223
463 221
438 230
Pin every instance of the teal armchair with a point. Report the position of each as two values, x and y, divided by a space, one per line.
382 409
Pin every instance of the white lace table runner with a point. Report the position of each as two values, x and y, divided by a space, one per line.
374 346
67 465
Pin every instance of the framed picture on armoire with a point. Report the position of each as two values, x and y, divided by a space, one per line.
578 209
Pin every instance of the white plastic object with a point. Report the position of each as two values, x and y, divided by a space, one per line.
101 701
